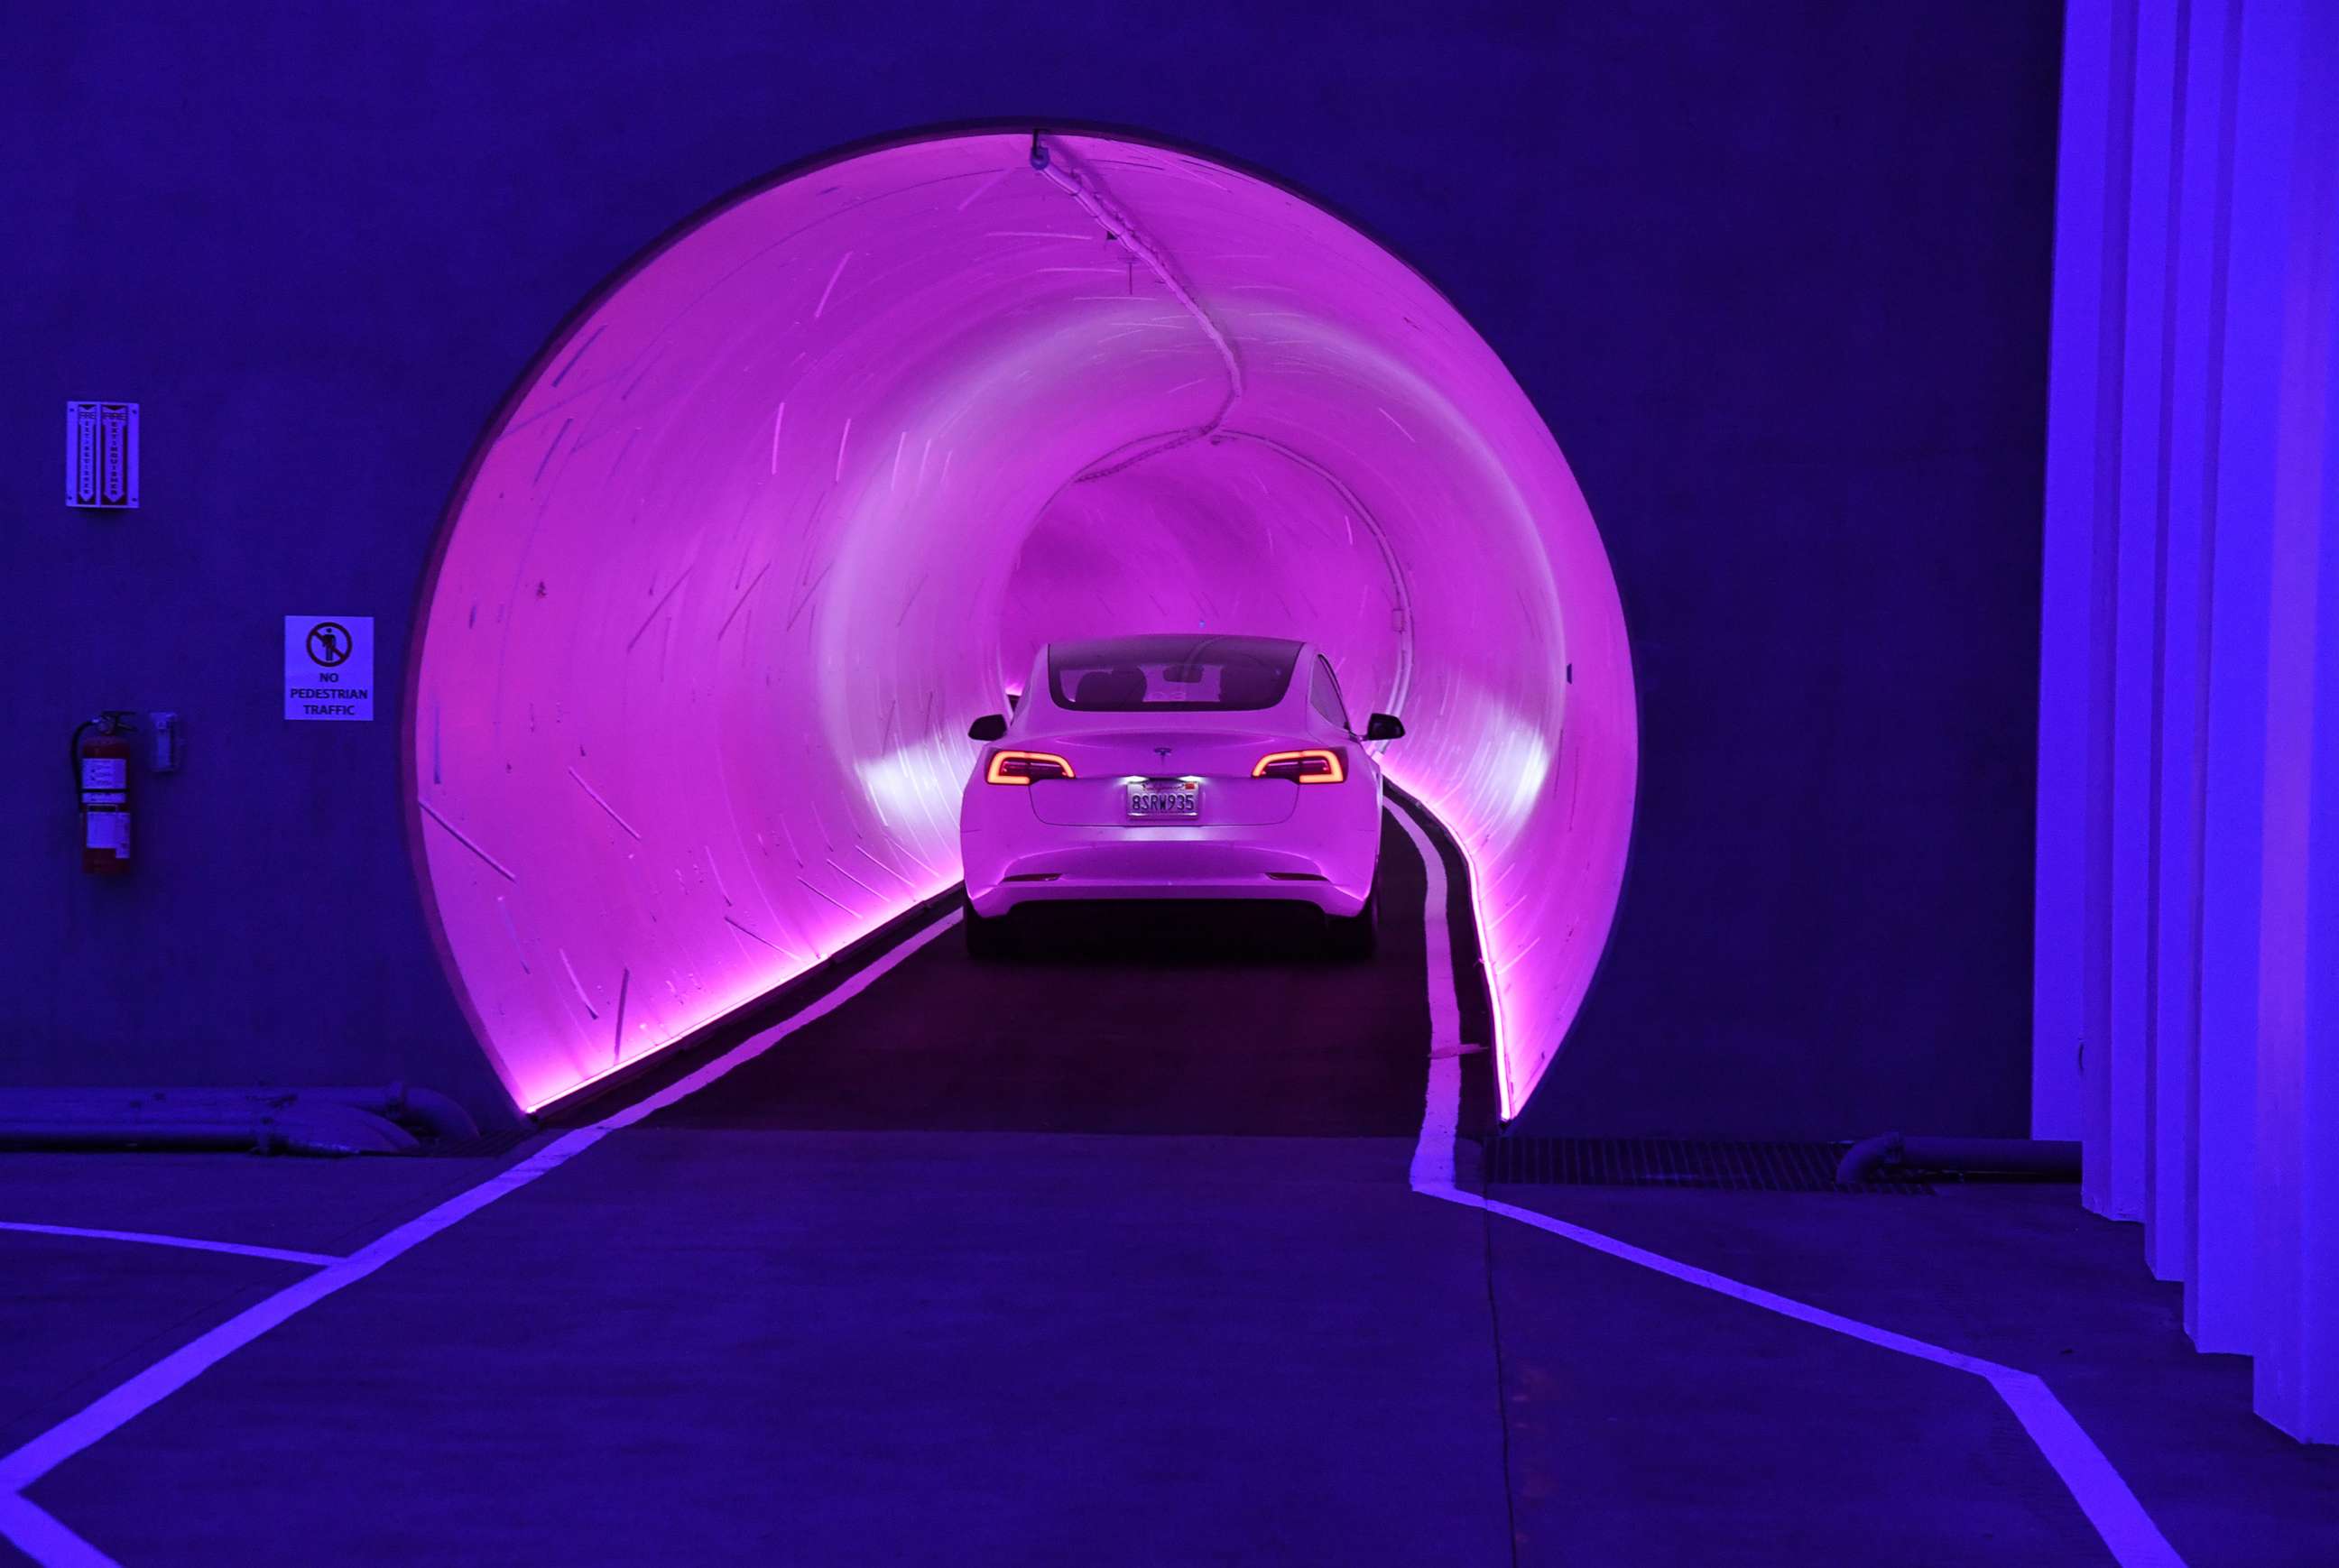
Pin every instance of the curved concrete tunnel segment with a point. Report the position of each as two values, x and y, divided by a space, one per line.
796 497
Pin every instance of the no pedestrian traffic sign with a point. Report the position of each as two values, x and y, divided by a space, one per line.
328 667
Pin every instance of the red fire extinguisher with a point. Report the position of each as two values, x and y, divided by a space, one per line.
101 774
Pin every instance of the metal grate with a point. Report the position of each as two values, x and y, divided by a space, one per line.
1669 1162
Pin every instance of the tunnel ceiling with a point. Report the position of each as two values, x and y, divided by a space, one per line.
797 496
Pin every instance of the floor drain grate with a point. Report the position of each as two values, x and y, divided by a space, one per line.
1671 1163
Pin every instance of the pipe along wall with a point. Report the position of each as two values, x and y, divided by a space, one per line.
798 495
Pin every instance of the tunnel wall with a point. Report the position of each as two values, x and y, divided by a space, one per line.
726 585
1777 284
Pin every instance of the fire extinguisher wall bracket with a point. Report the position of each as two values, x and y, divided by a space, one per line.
102 778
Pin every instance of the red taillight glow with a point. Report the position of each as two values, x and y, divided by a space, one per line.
1317 766
1023 767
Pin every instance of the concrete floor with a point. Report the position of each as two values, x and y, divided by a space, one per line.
1084 1261
2016 1274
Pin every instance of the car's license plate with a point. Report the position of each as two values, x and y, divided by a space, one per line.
1157 798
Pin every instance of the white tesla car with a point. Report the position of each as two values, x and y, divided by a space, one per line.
1180 765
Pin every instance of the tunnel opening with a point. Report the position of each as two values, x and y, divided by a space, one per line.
800 491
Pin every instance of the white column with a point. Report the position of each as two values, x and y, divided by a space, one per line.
2220 1306
2086 330
2135 633
2290 73
2298 1389
2188 859
2195 355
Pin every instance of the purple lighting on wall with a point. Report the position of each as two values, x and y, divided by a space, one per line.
793 501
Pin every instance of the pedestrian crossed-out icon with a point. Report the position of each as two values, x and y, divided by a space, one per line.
330 643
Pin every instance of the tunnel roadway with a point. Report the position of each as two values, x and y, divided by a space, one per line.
1081 1259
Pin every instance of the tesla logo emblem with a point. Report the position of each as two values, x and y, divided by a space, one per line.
1162 752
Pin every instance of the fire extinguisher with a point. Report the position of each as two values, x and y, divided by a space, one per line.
101 774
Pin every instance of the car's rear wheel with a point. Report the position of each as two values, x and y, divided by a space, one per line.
1355 936
987 937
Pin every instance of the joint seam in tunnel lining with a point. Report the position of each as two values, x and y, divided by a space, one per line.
47 1541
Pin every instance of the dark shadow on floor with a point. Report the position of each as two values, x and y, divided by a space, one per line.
1165 1019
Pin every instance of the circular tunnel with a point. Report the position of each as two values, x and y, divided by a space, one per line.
799 493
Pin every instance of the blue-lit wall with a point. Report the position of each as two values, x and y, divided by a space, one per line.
1778 283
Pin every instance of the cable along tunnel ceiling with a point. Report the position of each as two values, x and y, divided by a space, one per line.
799 495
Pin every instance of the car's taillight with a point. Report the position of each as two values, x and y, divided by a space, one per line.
1023 767
1319 765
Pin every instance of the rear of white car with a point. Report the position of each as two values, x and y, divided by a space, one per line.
1176 766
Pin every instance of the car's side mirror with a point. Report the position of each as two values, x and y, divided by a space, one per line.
1384 727
988 727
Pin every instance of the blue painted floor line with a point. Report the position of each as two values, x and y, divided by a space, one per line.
2110 1505
193 1244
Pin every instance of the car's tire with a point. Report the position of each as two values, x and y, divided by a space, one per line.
987 938
1355 936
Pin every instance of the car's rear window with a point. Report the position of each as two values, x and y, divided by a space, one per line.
1172 673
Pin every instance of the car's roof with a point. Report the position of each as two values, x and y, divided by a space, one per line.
1174 647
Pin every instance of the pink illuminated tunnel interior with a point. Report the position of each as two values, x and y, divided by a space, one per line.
796 498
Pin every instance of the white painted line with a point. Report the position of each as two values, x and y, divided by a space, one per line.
40 1536
2110 1506
2105 1499
193 1244
1441 1116
1751 1294
174 1371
